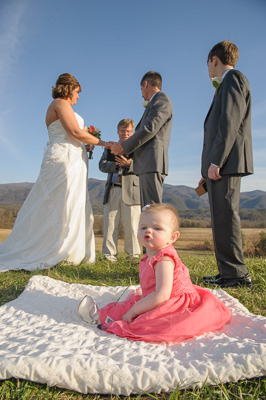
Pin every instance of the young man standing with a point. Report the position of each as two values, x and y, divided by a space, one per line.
226 157
150 142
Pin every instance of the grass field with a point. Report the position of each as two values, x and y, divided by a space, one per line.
122 273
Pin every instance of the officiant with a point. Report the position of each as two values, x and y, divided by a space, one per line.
121 199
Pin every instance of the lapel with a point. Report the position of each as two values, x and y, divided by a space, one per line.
213 100
147 109
144 114
209 110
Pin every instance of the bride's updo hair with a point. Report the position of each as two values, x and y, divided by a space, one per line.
64 86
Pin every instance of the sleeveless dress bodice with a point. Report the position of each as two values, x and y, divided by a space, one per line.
181 282
57 133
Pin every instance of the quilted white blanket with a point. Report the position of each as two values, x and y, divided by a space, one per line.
43 339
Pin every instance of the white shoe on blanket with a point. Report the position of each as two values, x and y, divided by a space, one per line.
88 310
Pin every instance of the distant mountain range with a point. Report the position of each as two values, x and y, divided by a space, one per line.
183 197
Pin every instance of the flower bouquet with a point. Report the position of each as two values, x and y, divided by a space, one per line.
95 132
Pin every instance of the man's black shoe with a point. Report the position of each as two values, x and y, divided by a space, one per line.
211 278
234 282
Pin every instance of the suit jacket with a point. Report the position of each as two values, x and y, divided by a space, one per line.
227 128
130 182
150 141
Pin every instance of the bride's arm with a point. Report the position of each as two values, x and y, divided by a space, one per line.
67 117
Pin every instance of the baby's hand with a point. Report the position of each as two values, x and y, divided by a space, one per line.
129 316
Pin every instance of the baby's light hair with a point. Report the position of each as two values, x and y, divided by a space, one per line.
154 207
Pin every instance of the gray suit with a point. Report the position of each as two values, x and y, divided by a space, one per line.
120 203
228 144
149 145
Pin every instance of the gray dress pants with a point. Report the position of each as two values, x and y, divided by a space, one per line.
224 195
151 188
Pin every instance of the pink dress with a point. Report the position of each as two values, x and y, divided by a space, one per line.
190 311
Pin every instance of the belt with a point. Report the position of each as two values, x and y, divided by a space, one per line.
116 184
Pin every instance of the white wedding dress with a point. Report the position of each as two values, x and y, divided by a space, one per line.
55 222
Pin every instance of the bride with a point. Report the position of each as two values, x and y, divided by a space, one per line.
55 222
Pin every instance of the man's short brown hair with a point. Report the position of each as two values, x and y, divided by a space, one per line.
226 51
154 79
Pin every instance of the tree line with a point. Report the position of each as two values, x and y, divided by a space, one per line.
199 218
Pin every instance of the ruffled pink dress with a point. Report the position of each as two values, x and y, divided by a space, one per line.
190 311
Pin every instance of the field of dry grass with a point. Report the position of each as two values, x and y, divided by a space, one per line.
190 238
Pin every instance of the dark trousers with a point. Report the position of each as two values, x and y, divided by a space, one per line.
151 188
224 195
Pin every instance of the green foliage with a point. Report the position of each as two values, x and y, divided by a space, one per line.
190 218
199 214
257 248
252 215
8 215
191 224
208 246
243 239
260 246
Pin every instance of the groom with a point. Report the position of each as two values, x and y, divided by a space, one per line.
149 145
226 157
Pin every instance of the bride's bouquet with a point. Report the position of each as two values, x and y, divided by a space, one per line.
95 132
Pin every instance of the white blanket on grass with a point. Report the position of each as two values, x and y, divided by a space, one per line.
43 339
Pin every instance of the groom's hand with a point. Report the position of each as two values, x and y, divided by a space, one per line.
214 172
116 149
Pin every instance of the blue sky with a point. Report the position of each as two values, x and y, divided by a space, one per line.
108 46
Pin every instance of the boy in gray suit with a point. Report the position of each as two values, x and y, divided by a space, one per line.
226 157
121 199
